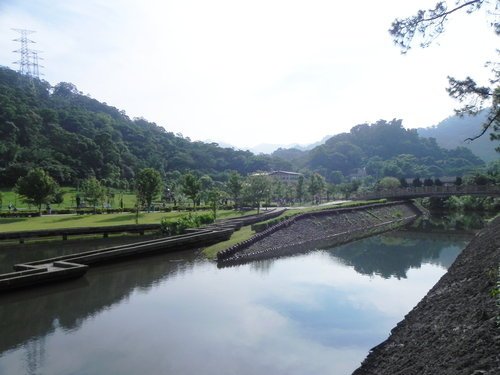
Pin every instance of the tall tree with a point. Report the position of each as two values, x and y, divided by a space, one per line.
256 189
234 186
300 190
93 191
316 186
191 187
428 25
149 185
37 187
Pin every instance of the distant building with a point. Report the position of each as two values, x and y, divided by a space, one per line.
282 176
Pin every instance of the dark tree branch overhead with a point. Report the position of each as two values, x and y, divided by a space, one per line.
486 126
428 25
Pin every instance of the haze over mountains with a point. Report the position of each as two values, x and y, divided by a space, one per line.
449 134
452 132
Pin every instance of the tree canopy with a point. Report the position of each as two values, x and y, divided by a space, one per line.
37 187
148 185
74 137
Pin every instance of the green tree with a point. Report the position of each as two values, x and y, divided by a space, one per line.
256 189
37 187
191 187
389 183
149 185
214 198
316 186
234 186
300 190
93 191
428 25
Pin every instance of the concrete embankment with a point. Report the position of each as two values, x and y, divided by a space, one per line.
64 267
455 329
322 228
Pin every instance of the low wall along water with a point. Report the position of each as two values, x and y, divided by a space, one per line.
322 228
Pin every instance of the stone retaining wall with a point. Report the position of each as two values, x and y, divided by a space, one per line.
455 328
341 234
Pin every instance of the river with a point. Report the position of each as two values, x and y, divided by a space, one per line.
315 313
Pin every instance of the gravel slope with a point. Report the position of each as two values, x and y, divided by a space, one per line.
455 329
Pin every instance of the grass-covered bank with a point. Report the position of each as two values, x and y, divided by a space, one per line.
75 221
238 236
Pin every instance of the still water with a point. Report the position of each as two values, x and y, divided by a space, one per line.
313 313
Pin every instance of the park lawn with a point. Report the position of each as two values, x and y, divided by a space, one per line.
102 220
70 193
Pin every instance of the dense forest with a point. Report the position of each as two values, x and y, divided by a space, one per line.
382 149
74 137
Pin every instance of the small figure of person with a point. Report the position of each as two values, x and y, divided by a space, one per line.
49 209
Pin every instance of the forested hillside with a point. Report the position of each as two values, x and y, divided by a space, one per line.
383 149
73 136
452 132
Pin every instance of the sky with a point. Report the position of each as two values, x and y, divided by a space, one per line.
250 72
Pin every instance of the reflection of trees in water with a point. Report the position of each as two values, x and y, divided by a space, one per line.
392 255
451 221
262 266
32 314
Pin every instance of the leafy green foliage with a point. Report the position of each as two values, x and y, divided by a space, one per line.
178 226
93 191
74 137
257 188
191 186
148 185
37 187
389 183
385 149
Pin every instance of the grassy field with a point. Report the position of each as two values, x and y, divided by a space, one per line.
75 221
70 193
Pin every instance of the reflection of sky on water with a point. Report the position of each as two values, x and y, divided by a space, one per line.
308 314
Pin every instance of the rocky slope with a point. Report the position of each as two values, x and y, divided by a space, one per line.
455 329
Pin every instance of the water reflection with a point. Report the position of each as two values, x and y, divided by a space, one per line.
393 254
315 313
12 253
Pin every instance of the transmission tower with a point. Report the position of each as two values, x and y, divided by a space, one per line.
28 62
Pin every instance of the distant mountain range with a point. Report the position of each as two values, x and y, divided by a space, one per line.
449 134
452 132
269 148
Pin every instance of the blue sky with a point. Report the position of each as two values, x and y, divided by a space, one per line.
245 73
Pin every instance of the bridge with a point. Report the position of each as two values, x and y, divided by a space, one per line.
431 191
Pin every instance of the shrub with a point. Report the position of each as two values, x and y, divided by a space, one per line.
179 226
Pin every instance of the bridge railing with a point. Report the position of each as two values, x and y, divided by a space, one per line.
429 191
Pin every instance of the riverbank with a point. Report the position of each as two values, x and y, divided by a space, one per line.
455 329
326 227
